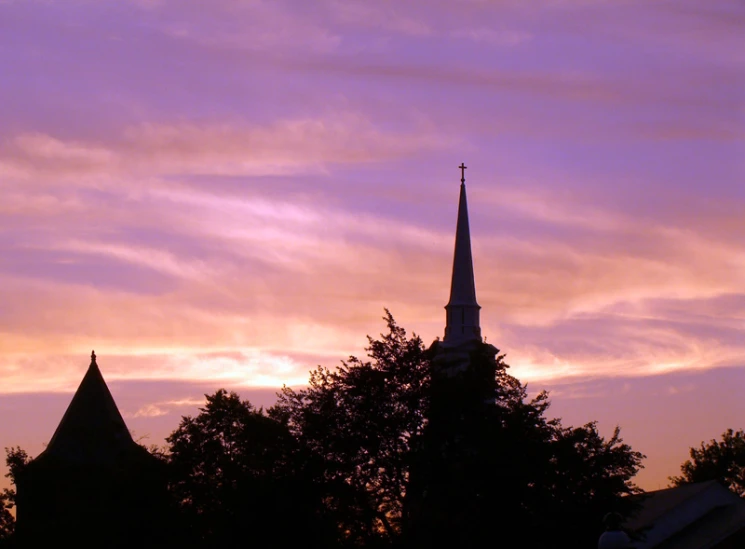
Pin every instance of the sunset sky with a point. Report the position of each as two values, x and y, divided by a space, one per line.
228 193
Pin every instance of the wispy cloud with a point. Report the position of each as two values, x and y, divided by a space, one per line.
166 407
284 147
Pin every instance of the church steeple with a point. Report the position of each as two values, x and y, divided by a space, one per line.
462 320
92 429
93 486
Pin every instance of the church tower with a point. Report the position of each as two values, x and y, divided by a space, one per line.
462 319
451 478
454 354
93 485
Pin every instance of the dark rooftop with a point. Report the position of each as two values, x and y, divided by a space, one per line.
92 431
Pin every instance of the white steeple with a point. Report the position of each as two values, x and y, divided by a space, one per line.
462 320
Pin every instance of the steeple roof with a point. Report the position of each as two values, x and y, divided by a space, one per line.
462 323
462 286
92 431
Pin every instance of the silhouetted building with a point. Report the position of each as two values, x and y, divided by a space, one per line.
449 491
93 485
462 311
703 515
454 354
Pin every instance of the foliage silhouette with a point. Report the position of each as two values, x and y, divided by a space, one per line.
237 474
16 460
410 460
7 520
722 460
361 421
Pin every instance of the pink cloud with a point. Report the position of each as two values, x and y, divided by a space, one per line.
284 147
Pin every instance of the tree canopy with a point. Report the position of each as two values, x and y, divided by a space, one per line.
377 426
361 421
7 520
238 474
722 460
15 459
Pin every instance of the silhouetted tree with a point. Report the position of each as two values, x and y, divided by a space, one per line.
15 459
361 421
501 463
7 521
587 476
383 432
722 460
238 475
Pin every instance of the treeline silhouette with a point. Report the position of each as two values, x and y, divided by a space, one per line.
382 453
721 460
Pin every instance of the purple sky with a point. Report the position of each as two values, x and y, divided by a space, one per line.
229 193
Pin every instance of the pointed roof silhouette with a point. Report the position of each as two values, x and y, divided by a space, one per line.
462 286
92 431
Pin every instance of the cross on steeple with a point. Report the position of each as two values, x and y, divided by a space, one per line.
462 172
